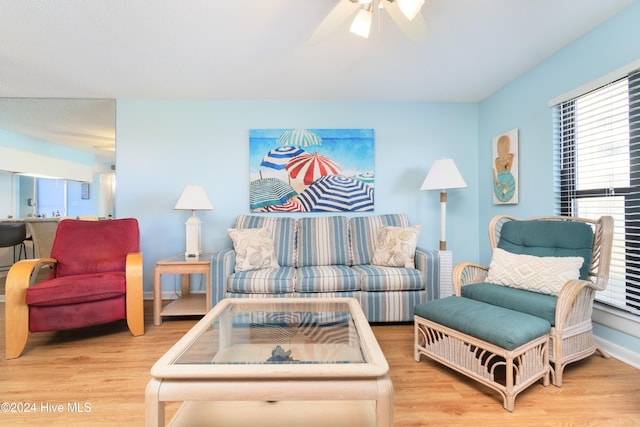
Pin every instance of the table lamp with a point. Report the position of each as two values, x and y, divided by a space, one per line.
193 198
443 175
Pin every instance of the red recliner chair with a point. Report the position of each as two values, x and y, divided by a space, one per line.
96 278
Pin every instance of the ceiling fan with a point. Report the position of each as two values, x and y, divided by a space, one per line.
405 13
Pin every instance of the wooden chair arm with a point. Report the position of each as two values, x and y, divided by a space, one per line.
21 275
575 303
466 273
135 294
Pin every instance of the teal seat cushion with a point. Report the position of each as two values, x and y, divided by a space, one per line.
505 328
533 303
546 238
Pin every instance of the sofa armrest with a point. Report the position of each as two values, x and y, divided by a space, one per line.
466 273
222 266
428 263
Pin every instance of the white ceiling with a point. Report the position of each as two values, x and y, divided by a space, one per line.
256 49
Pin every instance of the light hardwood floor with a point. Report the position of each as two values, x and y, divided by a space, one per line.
108 369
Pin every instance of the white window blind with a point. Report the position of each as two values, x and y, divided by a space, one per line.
597 166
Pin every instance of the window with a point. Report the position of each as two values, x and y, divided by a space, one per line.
597 150
52 197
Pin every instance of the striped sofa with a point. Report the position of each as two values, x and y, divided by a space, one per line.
330 256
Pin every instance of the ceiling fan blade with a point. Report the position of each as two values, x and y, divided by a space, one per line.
340 13
416 29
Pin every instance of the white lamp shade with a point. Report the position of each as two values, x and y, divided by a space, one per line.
443 175
193 198
361 24
410 8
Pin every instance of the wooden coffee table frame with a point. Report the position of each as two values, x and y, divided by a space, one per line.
271 382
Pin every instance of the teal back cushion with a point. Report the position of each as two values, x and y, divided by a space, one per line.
549 238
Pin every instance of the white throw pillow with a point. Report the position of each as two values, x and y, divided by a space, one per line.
395 246
254 248
545 275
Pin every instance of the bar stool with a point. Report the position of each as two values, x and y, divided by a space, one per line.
13 235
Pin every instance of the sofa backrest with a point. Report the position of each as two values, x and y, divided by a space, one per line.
549 238
323 241
364 230
283 232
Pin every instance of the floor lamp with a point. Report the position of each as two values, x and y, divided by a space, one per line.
193 198
442 176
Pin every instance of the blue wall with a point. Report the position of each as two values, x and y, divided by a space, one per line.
165 144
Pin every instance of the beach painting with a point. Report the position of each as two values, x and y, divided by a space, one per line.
311 170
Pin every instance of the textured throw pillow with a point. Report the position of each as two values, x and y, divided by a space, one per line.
396 246
254 248
545 275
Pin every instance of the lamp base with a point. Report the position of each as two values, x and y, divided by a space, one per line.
443 220
193 237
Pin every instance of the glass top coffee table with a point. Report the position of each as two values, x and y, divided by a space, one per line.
280 354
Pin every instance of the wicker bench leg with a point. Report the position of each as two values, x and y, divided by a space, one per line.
482 361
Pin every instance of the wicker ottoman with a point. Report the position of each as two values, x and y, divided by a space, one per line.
503 349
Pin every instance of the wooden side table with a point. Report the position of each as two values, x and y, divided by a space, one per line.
187 304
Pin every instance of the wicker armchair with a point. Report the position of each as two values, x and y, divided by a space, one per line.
571 337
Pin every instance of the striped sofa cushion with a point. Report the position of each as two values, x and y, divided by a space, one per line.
376 278
283 231
327 278
265 281
323 241
363 230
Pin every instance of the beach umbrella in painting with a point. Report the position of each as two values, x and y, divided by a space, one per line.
269 191
288 206
337 193
311 167
366 177
299 138
279 157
